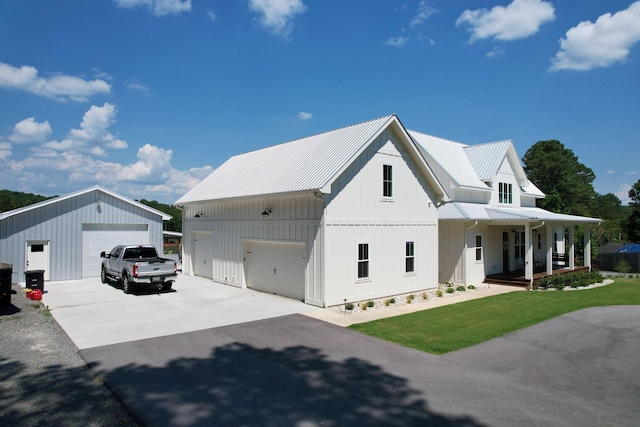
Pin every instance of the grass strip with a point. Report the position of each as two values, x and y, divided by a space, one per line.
453 327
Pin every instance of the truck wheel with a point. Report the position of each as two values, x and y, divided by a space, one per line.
127 286
166 286
103 275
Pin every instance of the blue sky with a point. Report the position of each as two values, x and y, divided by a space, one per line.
147 97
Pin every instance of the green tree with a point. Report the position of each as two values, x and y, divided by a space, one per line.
634 195
10 200
632 223
558 173
175 223
608 207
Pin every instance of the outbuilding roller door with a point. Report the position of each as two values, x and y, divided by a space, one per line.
203 254
97 238
276 267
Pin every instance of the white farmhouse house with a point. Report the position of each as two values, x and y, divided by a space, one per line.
490 227
349 214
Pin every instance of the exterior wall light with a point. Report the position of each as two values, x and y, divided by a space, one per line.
266 212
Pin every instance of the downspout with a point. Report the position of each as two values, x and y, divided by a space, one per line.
466 249
533 267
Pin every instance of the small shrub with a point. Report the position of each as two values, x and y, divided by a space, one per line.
387 302
439 293
450 290
410 298
471 287
363 306
370 303
349 306
392 300
424 295
461 288
623 266
449 285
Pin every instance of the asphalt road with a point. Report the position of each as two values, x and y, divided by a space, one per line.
580 369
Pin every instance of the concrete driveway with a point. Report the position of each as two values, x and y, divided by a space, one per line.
95 314
581 369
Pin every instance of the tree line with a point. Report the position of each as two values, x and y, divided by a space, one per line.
568 185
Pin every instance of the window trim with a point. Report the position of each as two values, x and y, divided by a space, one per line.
479 252
410 258
363 260
387 181
505 193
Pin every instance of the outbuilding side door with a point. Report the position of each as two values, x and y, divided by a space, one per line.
38 257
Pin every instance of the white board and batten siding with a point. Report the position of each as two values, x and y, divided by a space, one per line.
358 213
234 226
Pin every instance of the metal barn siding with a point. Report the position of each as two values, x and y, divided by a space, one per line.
60 222
293 218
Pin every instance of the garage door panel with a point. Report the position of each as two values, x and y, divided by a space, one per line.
97 238
276 267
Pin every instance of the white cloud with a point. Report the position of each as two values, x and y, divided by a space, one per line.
28 130
93 136
496 51
623 193
518 20
211 15
137 86
610 172
60 87
397 41
631 173
158 7
5 150
277 15
152 165
424 12
601 44
305 116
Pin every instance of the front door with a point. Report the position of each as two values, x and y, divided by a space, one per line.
38 256
505 251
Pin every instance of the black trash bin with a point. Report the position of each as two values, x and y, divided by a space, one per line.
5 284
34 279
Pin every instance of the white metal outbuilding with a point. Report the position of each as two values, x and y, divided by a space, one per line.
64 236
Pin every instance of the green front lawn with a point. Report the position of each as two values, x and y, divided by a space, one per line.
452 327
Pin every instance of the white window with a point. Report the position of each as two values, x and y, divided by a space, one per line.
387 181
505 193
409 261
478 247
363 260
520 245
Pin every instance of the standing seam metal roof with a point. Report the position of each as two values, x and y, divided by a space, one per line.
304 164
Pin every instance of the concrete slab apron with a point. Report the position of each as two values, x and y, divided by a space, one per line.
295 370
95 314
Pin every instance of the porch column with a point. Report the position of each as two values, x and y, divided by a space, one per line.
528 251
587 246
549 250
572 247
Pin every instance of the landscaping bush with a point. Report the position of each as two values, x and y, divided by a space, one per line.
461 288
349 306
410 298
450 290
471 287
387 302
392 300
573 280
439 293
623 266
424 295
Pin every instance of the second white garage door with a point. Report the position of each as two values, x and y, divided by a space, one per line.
276 267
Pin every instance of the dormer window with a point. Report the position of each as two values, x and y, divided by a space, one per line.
387 181
505 193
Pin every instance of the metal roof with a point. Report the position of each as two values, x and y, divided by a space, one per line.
478 212
487 158
7 214
306 164
451 157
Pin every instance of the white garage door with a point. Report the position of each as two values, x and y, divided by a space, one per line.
276 267
203 254
97 238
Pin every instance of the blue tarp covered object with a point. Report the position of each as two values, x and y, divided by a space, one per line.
630 248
